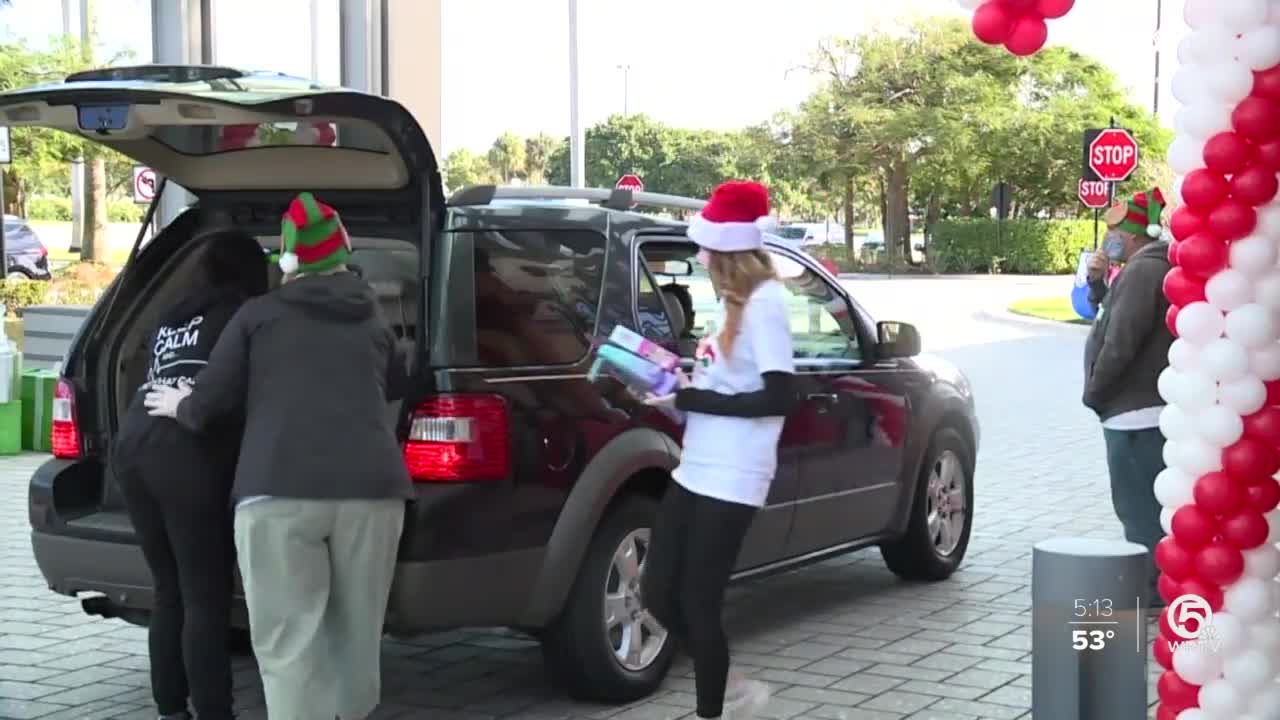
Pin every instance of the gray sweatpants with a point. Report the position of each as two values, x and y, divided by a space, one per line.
317 575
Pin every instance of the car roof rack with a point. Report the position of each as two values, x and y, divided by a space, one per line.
616 199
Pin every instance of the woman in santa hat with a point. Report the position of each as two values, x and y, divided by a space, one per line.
740 392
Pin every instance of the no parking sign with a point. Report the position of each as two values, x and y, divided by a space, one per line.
144 184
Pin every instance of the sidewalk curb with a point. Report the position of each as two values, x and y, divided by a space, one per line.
1008 318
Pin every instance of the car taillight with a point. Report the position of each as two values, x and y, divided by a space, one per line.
65 436
44 251
459 438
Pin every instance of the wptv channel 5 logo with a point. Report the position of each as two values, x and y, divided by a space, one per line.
1191 621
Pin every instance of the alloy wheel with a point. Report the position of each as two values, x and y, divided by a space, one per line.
948 509
635 637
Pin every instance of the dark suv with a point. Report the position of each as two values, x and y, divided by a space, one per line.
535 487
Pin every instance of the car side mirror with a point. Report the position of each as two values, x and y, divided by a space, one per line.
896 340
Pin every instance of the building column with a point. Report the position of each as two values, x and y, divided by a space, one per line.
182 34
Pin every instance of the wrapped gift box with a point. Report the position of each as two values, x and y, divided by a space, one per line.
37 408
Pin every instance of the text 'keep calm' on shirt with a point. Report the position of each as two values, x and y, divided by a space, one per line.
734 458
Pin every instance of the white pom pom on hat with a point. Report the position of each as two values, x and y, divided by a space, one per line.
1154 231
734 219
289 263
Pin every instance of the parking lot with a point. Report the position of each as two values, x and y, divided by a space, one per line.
844 640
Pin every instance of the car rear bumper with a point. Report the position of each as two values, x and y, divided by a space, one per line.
476 591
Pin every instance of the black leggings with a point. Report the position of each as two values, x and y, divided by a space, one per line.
179 501
695 544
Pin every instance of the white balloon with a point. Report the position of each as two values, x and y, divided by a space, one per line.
1264 636
1174 488
1223 359
1219 698
1190 87
1196 391
1187 53
1260 48
1195 665
1273 524
1166 520
1249 599
1228 82
1195 457
1240 16
1262 562
1265 362
1186 153
1268 225
1218 426
1209 42
971 4
1266 290
1198 13
1194 714
1230 632
1246 396
1175 423
1168 383
1229 289
1184 356
1251 325
1266 702
1200 322
1254 255
1249 671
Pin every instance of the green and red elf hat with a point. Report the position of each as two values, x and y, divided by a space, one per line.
1140 215
312 237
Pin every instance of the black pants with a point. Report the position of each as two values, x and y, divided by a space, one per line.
695 544
178 496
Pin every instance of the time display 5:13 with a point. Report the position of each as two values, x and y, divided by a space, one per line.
1100 608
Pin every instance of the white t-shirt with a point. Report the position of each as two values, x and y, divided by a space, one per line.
734 458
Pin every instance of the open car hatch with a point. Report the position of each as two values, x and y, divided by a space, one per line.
215 129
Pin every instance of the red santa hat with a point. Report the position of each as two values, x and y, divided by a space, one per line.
735 219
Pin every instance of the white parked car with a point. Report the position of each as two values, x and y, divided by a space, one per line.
813 233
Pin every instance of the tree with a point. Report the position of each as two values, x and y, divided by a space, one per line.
507 157
463 167
538 151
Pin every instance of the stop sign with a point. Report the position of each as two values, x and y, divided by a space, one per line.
1094 193
630 182
1113 155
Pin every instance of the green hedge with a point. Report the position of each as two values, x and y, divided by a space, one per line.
1024 247
59 210
18 294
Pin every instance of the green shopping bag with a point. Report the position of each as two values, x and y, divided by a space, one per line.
38 386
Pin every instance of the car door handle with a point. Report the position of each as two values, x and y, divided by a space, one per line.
824 397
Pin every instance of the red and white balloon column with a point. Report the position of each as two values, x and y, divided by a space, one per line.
1019 25
1222 423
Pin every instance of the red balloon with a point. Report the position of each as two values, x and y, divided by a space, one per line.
1168 588
1166 712
1173 253
1163 655
1266 84
1171 319
1179 286
1219 563
992 23
1216 493
1028 35
1232 219
1176 693
1255 186
1269 154
1184 223
1199 257
1211 593
1273 391
1249 461
1228 152
1257 119
1264 426
1263 497
1246 529
1193 527
1202 190
1176 562
1017 6
1052 9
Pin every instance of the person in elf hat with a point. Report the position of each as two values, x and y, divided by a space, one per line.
735 404
320 486
183 517
1127 349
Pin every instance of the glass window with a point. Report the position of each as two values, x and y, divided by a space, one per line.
536 296
822 326
651 308
207 139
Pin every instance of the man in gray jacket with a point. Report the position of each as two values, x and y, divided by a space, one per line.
1123 358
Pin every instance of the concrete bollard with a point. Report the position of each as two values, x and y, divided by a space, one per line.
1089 630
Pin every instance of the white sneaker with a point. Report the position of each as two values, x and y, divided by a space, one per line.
743 698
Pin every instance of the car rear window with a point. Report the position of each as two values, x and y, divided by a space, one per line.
209 139
534 297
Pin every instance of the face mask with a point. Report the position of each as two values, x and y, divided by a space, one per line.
1113 246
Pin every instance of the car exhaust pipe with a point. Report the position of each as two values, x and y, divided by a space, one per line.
99 605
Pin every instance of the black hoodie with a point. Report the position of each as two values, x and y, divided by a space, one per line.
313 366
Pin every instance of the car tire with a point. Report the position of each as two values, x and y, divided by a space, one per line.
18 276
938 531
580 648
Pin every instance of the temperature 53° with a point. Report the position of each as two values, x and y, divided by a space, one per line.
1091 639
